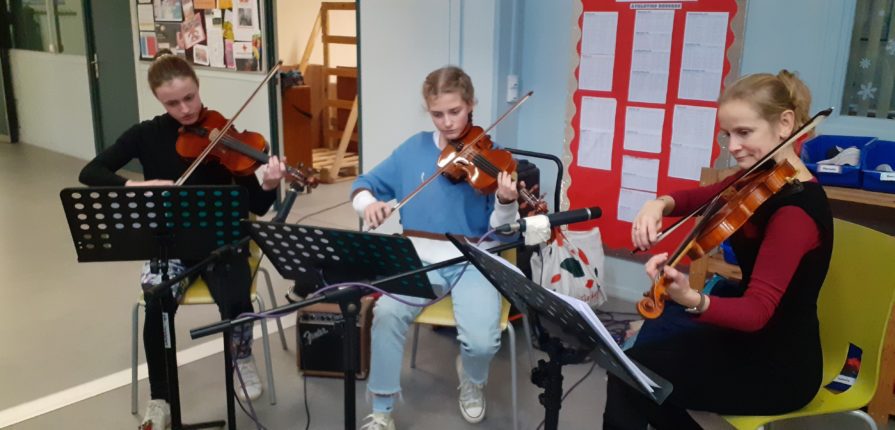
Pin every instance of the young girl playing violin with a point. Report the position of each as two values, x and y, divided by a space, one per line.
441 207
152 143
755 351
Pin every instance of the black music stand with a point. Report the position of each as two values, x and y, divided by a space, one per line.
158 224
317 256
560 331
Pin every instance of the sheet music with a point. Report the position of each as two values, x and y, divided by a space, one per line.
692 136
597 132
702 60
597 51
585 311
650 56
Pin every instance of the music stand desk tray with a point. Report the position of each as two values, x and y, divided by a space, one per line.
318 256
141 223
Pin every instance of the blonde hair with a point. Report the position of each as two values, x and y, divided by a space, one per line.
167 66
449 79
771 95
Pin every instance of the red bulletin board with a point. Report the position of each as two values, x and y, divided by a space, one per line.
598 187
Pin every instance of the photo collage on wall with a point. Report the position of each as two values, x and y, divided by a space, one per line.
223 34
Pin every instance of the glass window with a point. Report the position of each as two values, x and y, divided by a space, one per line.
870 76
59 29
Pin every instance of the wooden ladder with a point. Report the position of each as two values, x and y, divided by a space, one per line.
334 161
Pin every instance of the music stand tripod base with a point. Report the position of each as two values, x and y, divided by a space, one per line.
315 257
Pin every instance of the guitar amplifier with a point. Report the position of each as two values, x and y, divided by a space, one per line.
320 343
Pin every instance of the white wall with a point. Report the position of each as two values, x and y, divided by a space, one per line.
401 42
295 19
53 101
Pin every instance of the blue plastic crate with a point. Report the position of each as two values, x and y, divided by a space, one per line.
876 153
816 150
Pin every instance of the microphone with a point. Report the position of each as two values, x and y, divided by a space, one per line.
554 219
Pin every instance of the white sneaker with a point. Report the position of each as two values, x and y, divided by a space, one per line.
472 396
250 380
157 415
379 421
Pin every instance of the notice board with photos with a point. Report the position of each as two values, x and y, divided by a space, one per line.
219 34
645 104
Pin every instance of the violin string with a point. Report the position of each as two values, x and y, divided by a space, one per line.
234 141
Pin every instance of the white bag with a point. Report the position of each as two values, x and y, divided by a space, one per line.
572 265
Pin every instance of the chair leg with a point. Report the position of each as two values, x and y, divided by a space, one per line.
863 416
135 320
272 394
511 333
273 304
416 338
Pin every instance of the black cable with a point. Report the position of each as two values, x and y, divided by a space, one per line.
304 379
321 211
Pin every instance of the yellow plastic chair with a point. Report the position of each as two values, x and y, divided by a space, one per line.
854 307
198 294
442 314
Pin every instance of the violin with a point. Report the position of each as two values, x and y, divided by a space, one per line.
726 212
733 211
241 153
473 158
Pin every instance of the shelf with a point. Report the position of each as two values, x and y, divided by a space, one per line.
856 195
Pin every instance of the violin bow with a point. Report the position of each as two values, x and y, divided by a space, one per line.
804 129
223 132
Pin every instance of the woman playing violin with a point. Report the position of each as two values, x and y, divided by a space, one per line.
443 206
152 143
755 348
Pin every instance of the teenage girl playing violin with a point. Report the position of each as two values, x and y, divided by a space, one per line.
443 206
755 351
152 143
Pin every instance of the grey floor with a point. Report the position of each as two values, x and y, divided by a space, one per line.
65 332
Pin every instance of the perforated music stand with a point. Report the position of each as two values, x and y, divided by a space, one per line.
317 256
560 331
158 224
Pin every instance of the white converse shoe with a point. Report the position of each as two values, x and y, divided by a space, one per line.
250 379
379 421
472 396
157 415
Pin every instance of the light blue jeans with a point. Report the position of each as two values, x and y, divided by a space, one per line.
476 310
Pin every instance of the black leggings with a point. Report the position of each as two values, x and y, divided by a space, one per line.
229 282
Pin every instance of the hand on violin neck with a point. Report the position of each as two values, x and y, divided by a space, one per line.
149 183
507 192
678 284
273 173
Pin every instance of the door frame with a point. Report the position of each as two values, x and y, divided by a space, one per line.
90 48
12 117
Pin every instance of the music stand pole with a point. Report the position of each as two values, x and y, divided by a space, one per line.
567 330
162 291
157 224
